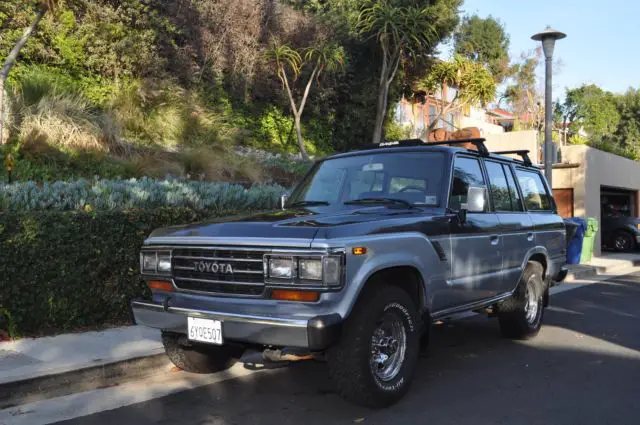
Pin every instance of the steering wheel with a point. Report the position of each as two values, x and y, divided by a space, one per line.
416 188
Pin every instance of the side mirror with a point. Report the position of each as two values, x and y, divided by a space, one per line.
476 202
283 200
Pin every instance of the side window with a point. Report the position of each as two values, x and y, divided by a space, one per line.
499 187
535 195
466 172
513 190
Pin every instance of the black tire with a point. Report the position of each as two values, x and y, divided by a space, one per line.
351 364
199 358
517 320
623 242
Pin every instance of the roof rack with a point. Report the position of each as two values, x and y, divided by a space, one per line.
478 142
524 154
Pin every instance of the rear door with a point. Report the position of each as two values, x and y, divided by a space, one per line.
537 199
516 225
475 244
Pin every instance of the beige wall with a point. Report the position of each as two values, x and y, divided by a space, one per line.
595 169
514 140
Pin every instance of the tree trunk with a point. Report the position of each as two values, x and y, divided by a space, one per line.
381 107
10 61
303 151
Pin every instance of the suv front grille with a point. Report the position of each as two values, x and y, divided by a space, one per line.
219 270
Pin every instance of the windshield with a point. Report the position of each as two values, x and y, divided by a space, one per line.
411 177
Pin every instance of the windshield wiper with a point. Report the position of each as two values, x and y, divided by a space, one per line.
379 201
308 203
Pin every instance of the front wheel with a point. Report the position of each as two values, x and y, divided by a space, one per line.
374 363
520 316
199 358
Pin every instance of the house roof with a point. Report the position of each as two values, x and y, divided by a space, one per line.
501 113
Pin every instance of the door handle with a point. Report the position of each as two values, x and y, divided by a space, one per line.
530 237
494 240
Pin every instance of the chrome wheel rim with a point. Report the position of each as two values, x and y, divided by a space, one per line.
388 346
531 303
622 242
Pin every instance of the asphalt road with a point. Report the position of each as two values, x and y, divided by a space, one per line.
583 368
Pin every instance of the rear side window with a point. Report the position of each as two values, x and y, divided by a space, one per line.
503 187
535 195
466 173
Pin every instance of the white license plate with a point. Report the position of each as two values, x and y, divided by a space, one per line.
204 330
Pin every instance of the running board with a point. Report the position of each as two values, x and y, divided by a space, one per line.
443 314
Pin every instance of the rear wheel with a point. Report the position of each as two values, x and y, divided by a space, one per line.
374 363
520 316
623 242
199 358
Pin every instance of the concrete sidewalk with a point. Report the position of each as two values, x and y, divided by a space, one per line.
81 360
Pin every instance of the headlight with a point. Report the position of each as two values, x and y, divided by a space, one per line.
153 262
310 269
281 268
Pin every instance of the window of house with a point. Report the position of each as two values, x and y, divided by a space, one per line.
432 113
466 173
535 195
450 124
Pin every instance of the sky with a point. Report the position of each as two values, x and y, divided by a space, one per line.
602 45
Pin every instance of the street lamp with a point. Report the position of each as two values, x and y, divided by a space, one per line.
548 38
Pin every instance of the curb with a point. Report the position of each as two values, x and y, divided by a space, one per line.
595 271
52 385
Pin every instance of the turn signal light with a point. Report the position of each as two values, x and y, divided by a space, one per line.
303 296
160 285
359 250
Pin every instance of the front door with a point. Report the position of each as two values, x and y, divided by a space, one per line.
476 256
516 225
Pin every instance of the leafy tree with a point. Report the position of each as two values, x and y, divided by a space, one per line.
43 7
289 64
591 109
628 132
472 82
484 41
403 31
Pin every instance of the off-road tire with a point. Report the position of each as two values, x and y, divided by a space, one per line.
512 313
199 358
349 361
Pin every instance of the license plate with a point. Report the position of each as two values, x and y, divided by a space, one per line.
204 330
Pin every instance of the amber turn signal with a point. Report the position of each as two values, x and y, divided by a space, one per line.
359 250
304 296
160 285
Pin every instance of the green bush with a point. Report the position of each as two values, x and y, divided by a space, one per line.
64 271
132 194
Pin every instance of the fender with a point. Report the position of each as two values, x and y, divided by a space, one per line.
410 249
530 253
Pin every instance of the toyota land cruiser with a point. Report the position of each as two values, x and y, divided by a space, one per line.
370 248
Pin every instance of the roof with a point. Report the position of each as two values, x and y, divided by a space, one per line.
501 113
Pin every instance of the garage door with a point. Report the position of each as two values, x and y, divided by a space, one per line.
564 200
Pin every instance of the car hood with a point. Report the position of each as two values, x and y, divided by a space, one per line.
296 223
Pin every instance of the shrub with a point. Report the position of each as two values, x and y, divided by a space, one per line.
64 271
131 194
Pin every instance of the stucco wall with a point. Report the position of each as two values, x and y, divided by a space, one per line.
514 140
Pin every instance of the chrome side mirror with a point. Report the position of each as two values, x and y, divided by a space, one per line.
476 200
283 200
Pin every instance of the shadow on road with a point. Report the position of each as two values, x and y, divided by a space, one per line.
582 368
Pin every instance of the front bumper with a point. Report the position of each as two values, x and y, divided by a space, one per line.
315 334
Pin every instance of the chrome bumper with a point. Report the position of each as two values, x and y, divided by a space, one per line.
316 333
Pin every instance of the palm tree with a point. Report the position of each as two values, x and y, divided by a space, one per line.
44 7
289 65
400 32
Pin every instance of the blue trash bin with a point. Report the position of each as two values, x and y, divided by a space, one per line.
574 245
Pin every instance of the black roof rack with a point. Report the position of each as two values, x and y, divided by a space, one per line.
478 142
524 154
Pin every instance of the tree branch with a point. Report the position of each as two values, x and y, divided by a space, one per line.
294 109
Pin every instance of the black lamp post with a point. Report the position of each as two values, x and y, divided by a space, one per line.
548 38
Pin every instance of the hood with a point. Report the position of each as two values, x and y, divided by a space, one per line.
291 224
